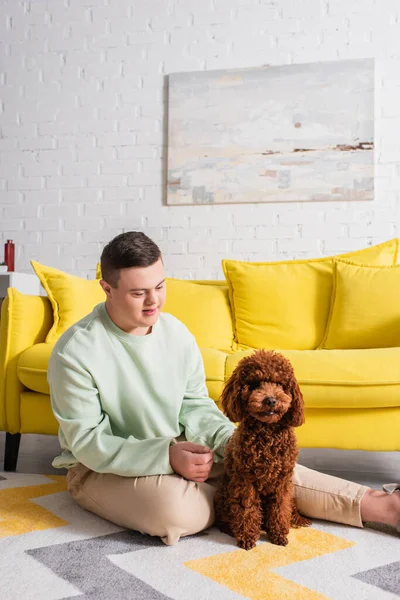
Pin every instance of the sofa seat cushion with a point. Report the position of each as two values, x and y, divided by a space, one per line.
32 368
343 378
328 378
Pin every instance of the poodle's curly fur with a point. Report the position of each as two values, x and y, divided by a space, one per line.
256 492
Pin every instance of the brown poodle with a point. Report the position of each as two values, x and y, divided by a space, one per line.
256 491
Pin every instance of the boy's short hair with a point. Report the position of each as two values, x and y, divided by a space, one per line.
129 249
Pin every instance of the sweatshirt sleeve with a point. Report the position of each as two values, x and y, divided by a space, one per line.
87 430
204 423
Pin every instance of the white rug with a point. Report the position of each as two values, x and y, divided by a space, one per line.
52 549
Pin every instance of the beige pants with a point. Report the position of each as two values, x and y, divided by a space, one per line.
170 507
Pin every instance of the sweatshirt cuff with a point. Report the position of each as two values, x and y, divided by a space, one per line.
219 451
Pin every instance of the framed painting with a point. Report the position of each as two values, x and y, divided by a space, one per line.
272 134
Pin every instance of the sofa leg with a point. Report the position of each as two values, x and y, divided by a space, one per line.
12 449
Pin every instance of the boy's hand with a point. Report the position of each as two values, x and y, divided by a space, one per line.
192 461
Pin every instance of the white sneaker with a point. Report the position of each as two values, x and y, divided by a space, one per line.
391 487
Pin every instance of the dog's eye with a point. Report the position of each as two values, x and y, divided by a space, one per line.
253 385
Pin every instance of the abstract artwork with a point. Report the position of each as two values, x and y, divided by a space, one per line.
272 134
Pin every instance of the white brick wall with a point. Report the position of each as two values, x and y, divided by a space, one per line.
83 126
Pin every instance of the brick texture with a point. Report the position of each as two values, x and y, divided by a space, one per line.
83 128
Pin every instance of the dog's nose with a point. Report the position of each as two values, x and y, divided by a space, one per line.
270 401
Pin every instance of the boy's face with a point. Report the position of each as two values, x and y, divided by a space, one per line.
135 304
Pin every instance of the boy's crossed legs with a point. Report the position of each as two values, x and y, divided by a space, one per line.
171 507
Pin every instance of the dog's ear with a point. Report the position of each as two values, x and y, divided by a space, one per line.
295 415
231 398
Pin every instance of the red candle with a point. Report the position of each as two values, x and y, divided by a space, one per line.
9 255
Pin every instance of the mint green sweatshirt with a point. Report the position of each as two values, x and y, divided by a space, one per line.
120 399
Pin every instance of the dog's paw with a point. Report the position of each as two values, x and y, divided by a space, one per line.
279 539
246 544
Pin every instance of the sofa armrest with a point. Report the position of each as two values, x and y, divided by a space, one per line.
25 321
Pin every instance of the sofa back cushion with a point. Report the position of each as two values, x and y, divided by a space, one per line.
205 310
365 307
71 297
202 306
285 305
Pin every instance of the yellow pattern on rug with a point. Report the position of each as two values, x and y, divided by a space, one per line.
18 515
249 573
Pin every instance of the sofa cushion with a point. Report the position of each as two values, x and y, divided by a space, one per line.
365 307
202 306
286 304
196 303
343 378
214 365
32 368
328 378
71 297
204 309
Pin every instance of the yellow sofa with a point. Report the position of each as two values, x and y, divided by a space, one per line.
351 392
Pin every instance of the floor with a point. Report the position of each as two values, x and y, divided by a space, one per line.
369 468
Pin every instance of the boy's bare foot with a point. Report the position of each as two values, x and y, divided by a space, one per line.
381 507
